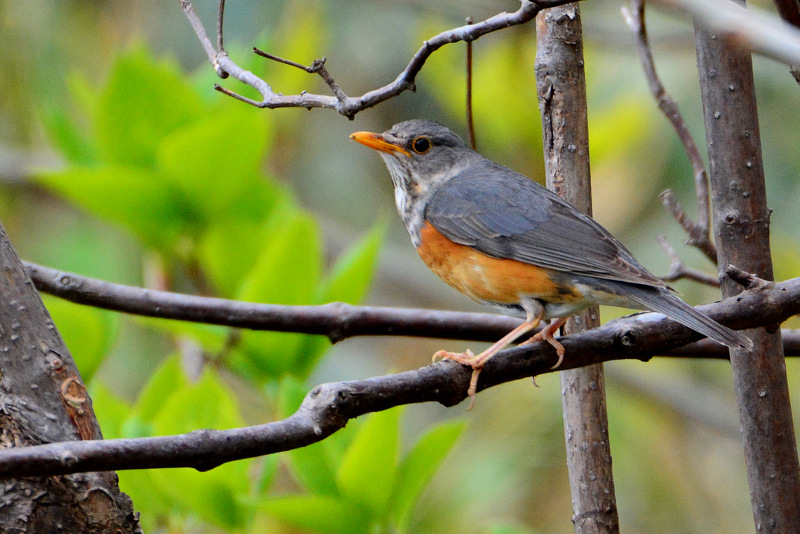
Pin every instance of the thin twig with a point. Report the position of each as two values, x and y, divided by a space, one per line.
328 407
698 237
470 118
700 231
349 106
220 16
679 270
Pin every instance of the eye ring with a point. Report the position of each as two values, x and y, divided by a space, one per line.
421 144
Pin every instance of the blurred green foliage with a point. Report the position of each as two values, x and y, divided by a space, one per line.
177 186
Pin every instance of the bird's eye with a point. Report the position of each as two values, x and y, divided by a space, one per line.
421 145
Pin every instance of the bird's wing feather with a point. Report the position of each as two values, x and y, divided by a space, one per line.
511 216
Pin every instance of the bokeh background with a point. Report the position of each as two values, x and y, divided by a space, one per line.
673 424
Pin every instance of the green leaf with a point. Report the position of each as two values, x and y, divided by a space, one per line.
287 272
349 279
212 338
311 466
368 470
143 100
137 199
168 378
509 529
139 486
419 466
347 282
216 162
230 247
214 495
326 515
67 137
111 411
88 332
288 269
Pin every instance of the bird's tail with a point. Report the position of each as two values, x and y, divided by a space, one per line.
661 300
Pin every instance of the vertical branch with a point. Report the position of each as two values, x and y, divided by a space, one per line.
741 226
220 17
470 117
561 86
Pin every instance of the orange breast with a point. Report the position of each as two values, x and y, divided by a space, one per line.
484 278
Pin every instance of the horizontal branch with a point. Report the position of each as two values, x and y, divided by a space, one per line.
328 407
347 105
337 321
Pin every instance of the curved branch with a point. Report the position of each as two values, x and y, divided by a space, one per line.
328 407
346 105
337 320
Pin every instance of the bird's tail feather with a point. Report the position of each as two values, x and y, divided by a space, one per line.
662 301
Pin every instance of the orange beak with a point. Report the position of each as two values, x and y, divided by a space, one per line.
373 140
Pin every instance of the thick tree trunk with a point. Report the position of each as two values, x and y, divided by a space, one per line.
43 400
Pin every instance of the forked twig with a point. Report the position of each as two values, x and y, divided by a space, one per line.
699 232
347 105
679 270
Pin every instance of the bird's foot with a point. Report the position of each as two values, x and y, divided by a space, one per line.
464 358
546 334
469 359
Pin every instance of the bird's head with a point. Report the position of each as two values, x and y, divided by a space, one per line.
418 154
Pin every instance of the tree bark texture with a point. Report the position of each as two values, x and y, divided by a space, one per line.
561 86
741 227
43 400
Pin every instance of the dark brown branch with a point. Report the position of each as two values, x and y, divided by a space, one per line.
699 232
679 270
346 105
741 228
328 407
337 321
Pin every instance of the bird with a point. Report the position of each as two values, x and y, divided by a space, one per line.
506 241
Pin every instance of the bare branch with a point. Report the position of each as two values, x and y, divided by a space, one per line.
328 407
679 270
349 106
337 321
220 16
470 118
698 237
699 232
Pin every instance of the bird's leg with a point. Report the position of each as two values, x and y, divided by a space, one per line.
477 362
546 334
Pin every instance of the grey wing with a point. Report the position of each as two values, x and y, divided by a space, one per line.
513 217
